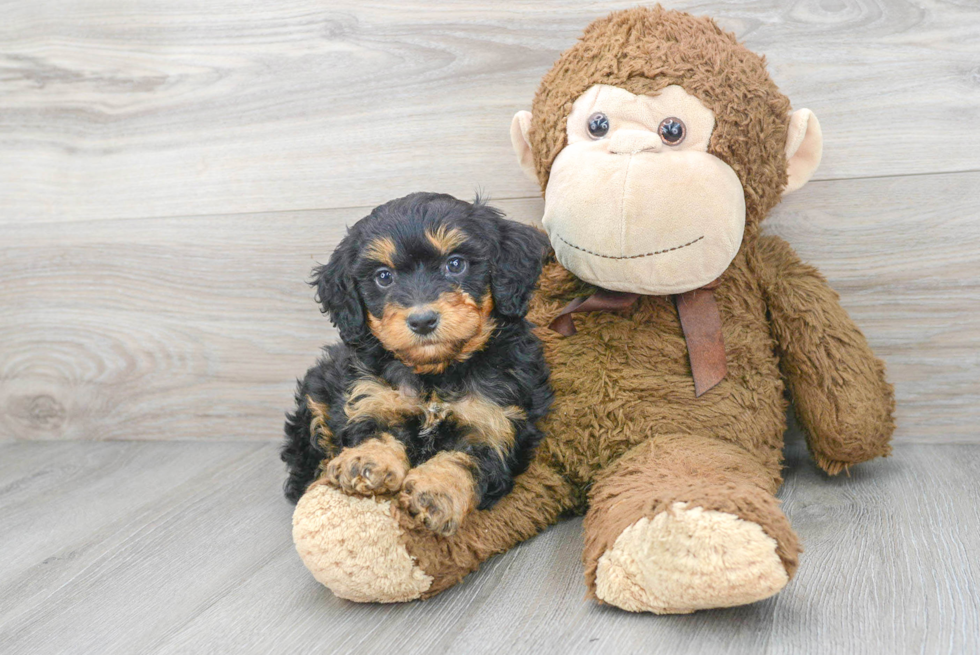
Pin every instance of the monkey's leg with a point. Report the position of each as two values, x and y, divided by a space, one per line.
682 523
372 550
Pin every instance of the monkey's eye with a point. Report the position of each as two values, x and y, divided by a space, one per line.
383 277
672 131
598 125
456 265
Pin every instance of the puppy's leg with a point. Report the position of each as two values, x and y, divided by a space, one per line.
374 459
494 445
301 452
309 430
441 491
497 464
376 466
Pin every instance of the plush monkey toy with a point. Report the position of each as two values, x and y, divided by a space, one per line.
675 326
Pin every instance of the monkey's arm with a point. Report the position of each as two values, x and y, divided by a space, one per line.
842 400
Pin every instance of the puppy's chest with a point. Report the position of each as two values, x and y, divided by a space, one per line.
390 405
432 415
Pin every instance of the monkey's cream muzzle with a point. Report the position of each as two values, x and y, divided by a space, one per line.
629 212
654 223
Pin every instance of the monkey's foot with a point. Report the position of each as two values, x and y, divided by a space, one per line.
689 558
354 546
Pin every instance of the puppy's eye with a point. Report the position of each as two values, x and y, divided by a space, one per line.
598 125
383 277
672 131
455 265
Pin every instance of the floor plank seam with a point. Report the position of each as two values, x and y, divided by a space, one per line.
489 198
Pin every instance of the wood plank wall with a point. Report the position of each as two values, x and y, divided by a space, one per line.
169 173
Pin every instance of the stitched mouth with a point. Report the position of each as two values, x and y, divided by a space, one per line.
646 254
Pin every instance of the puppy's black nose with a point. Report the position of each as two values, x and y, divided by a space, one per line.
423 322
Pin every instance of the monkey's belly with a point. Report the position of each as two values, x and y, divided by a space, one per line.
624 379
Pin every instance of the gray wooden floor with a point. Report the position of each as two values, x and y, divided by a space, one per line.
168 547
169 173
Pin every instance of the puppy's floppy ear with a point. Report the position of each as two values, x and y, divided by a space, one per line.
337 293
516 269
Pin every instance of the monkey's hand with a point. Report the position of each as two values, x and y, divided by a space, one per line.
842 400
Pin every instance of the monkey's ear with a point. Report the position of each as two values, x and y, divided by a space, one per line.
337 293
516 269
520 127
804 147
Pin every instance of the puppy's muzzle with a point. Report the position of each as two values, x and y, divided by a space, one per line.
423 321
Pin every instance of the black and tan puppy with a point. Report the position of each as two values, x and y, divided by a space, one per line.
436 388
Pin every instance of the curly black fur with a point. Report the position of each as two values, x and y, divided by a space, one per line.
503 257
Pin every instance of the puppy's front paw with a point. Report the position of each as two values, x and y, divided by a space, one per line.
440 492
377 466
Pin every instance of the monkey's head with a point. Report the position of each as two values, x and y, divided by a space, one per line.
659 142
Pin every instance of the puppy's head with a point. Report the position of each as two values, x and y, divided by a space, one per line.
430 277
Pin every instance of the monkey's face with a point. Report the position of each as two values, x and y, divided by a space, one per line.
635 202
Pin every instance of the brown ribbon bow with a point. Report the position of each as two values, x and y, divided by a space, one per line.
700 321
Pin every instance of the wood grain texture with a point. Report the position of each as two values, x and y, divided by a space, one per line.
185 328
184 548
143 108
140 329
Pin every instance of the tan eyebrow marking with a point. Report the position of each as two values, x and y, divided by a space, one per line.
445 239
382 250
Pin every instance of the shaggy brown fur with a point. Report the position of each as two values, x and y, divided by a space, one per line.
627 427
816 340
700 471
627 437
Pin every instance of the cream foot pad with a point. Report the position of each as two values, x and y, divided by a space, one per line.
689 559
353 546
